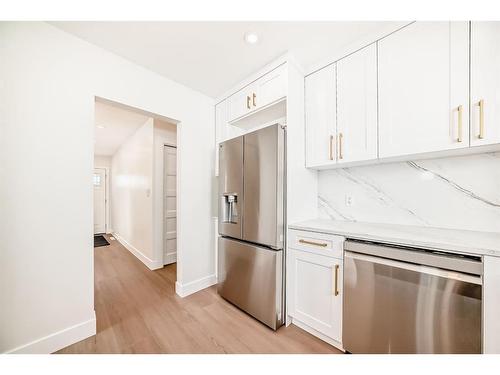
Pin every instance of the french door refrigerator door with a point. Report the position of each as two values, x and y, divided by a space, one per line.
264 164
231 187
251 277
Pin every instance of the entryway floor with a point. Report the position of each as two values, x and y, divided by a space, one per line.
138 312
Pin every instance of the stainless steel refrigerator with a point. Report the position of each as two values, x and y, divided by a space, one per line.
251 259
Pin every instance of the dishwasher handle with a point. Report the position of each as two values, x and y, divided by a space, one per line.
416 268
431 258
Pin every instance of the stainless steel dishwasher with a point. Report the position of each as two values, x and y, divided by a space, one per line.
407 300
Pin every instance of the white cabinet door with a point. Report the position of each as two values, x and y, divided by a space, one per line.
315 296
423 80
266 90
485 83
270 88
357 106
320 117
240 103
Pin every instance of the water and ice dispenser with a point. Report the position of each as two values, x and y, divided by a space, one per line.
230 208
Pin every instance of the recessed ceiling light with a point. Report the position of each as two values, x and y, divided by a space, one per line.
251 38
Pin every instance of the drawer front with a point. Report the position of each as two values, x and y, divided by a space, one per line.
317 243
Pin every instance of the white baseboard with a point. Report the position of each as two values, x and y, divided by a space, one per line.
184 290
58 340
151 264
318 334
170 258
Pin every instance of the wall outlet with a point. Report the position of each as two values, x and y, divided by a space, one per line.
348 200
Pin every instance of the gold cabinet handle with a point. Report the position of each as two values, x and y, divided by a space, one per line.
336 286
481 119
331 147
341 153
254 97
459 110
321 244
248 102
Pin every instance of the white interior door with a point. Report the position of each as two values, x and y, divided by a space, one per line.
99 200
170 205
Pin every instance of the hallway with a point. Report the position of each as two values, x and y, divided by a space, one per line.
138 312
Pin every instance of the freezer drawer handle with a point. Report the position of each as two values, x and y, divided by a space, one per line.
321 244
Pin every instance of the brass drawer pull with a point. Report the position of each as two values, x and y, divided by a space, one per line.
341 138
321 244
336 288
481 119
331 147
254 97
459 109
248 102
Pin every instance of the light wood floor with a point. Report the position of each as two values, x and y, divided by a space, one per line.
138 312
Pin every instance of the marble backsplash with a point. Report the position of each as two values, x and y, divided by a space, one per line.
460 193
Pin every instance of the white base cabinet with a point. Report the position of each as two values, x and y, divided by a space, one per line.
315 286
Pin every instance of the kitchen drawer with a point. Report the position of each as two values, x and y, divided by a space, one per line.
317 243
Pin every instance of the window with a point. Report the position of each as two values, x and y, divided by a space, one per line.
97 179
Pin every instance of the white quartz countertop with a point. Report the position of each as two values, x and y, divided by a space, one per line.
462 241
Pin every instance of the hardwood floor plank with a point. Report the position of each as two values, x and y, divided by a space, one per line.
138 311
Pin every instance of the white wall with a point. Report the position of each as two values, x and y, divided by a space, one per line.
164 133
46 78
101 161
131 194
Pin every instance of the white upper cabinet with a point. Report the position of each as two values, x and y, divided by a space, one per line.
240 103
271 87
485 83
423 89
341 111
261 93
357 106
320 117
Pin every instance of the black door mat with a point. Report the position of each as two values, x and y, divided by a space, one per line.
100 241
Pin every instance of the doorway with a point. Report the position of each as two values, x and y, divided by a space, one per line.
170 204
99 182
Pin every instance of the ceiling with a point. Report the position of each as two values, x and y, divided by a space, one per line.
211 57
113 125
